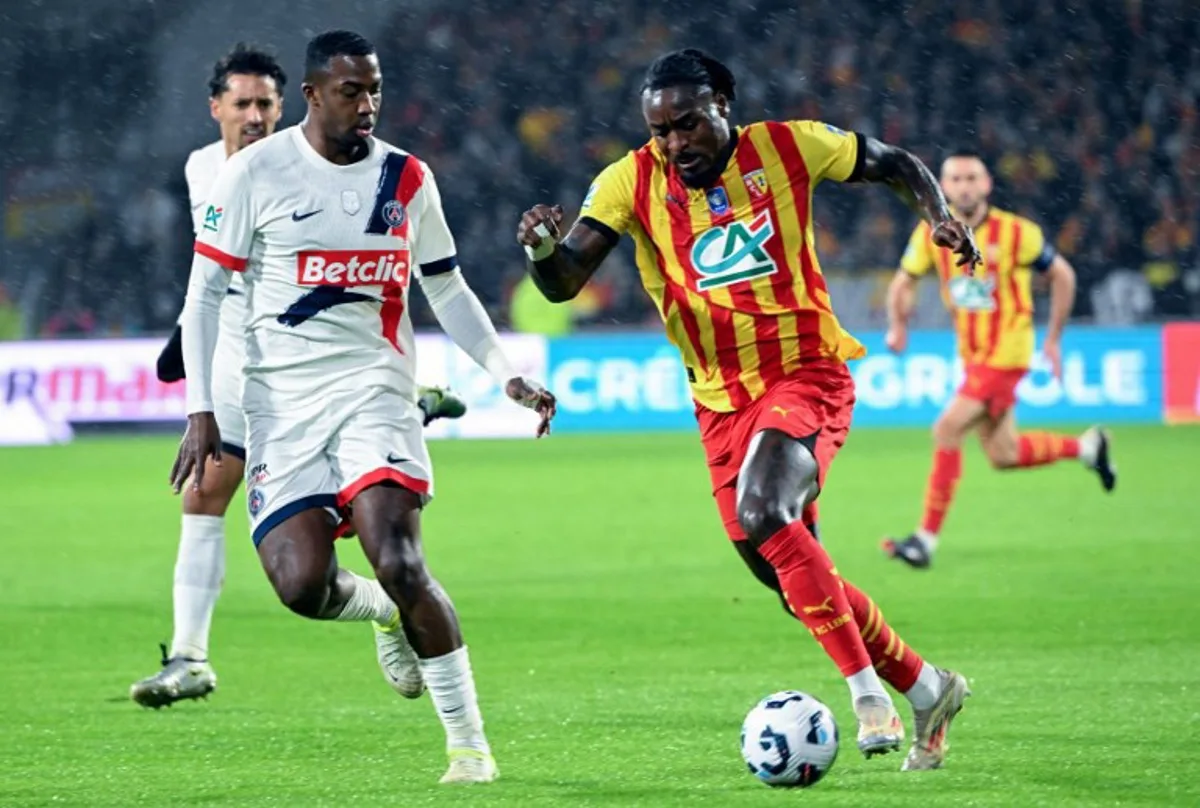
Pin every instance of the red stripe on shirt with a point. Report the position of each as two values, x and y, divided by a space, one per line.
721 319
993 264
391 313
223 258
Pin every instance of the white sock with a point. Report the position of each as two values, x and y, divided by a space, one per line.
925 692
199 572
452 688
368 601
866 683
1089 447
929 540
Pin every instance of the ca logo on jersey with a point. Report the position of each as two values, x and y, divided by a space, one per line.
212 217
972 294
734 252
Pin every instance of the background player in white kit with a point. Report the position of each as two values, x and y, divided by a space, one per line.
328 225
246 100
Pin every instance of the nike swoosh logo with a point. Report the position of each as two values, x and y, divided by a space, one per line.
394 458
299 217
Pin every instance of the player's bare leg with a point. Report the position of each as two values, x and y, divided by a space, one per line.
1008 449
950 430
777 480
388 521
199 573
301 564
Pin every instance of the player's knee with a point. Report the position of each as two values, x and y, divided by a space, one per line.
215 492
1001 458
760 517
211 500
947 434
303 594
767 508
402 571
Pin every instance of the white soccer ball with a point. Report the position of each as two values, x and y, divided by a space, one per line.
789 739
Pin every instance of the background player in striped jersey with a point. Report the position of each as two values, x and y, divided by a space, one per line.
246 100
722 221
993 314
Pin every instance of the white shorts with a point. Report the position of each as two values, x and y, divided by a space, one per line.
322 453
228 360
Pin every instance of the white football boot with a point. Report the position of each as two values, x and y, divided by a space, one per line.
179 679
398 660
470 766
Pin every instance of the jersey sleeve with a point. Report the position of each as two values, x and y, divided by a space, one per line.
829 152
1035 251
918 255
609 200
434 248
195 204
228 221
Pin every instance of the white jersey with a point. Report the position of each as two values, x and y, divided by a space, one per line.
327 253
201 171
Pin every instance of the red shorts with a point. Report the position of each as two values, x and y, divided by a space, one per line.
816 400
996 388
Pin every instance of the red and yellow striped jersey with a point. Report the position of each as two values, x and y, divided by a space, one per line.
732 268
993 310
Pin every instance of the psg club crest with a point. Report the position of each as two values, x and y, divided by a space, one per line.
756 183
718 201
393 213
350 202
256 501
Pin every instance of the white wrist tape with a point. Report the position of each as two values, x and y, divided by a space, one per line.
546 248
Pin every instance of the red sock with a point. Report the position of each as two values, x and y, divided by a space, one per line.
815 595
943 478
897 664
1040 448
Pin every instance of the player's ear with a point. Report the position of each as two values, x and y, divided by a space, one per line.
722 104
214 107
309 90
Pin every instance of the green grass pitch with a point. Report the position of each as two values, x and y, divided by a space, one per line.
616 639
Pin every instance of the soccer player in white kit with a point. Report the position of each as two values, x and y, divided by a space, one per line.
328 225
246 100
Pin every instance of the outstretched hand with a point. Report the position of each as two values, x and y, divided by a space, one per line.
956 236
529 393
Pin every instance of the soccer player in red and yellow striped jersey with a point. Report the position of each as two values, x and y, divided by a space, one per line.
993 316
721 217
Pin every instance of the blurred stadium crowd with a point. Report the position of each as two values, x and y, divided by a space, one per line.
1086 111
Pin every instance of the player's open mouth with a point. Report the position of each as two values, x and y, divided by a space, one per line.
688 162
364 130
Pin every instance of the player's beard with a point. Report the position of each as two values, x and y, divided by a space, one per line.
968 211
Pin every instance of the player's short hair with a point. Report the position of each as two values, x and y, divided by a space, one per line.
324 47
245 60
965 151
689 66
